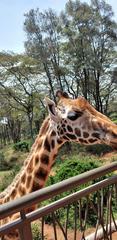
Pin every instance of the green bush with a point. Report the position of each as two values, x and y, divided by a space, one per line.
73 167
8 178
113 117
3 163
98 149
36 232
21 146
67 169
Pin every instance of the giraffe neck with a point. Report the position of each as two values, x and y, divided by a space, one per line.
37 167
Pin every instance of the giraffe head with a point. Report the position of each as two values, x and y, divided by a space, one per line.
76 120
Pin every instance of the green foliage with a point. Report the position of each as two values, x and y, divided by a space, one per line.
72 167
3 163
113 117
75 166
98 149
22 146
87 34
36 232
8 177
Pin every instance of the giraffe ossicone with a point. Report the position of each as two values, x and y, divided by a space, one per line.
70 120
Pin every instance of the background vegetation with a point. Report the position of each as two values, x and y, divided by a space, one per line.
74 51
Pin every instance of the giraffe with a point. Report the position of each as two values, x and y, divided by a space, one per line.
72 120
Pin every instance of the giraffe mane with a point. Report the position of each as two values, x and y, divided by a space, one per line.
44 127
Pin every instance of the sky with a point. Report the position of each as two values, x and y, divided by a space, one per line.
12 35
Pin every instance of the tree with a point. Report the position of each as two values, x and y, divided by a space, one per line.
90 35
75 49
19 78
44 44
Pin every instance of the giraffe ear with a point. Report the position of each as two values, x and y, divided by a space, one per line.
51 109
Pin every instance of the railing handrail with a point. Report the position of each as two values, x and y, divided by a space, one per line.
48 192
41 212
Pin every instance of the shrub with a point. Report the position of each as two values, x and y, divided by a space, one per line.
35 232
8 178
12 162
70 168
73 167
21 146
113 117
3 163
98 149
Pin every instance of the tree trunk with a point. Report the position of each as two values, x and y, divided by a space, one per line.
30 120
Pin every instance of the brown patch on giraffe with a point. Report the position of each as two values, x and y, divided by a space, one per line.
85 134
59 141
29 178
53 133
61 132
44 159
77 132
41 173
36 159
58 127
36 186
23 178
7 199
69 129
83 141
96 135
55 155
22 190
12 235
91 140
14 193
30 209
71 136
65 138
47 145
53 143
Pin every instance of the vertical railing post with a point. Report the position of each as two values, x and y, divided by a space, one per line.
25 231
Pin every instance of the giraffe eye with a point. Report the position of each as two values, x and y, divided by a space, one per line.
74 115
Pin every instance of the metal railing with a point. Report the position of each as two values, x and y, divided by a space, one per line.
96 203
